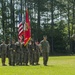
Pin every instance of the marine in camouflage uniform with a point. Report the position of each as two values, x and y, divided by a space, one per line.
18 49
45 49
31 52
3 52
25 55
12 49
9 56
19 53
37 53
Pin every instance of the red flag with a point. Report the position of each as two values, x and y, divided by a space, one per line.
27 29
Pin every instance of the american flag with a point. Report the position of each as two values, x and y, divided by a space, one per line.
20 29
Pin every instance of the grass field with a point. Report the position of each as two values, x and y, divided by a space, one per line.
57 65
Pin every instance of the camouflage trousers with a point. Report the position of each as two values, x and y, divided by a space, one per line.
3 57
25 57
45 57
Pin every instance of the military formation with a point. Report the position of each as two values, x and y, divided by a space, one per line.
19 55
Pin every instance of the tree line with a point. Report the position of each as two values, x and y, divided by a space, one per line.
54 18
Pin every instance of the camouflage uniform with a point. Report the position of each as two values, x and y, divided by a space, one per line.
3 53
18 48
25 55
12 54
31 53
19 53
37 54
8 51
45 51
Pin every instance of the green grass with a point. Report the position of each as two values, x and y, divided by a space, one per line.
57 65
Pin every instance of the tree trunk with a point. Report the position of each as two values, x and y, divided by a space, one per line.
38 24
52 23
